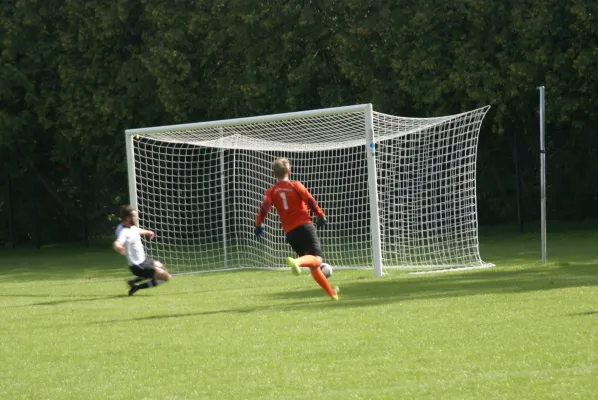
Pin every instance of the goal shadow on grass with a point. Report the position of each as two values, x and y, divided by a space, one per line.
374 291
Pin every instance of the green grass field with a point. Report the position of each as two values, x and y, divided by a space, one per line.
517 331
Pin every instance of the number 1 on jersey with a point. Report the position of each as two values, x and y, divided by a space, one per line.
283 196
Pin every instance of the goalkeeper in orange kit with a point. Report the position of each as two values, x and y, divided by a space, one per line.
292 201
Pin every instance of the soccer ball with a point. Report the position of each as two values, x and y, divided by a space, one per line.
326 269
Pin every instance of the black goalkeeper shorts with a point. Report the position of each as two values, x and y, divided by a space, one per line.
304 240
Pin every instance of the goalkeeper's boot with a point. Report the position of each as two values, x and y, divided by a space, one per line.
335 297
295 269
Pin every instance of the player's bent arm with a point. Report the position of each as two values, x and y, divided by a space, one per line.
149 234
119 247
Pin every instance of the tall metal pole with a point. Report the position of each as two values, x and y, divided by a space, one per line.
542 174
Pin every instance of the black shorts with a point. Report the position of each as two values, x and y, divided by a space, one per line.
144 270
304 240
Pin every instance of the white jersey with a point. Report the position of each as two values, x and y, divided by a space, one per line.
131 239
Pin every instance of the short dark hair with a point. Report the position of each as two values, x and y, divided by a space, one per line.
126 211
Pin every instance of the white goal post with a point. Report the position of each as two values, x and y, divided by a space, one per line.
398 192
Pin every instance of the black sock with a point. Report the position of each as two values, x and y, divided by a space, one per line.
150 283
135 279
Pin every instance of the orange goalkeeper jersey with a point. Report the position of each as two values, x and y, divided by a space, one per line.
291 200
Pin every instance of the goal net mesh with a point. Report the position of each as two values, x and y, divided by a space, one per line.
199 187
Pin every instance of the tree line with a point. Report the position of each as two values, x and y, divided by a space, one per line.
75 74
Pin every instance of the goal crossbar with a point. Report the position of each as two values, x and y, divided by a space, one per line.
247 120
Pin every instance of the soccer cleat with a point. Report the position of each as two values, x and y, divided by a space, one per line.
291 262
336 290
134 288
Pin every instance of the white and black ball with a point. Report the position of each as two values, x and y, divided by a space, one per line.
326 269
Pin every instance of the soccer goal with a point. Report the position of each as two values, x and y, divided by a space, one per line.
398 192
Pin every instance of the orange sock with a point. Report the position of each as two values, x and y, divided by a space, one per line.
308 261
319 277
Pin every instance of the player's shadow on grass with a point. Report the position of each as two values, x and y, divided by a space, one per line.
374 291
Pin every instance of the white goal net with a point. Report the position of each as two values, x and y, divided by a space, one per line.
398 192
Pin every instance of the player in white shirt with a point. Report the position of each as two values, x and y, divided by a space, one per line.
128 244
